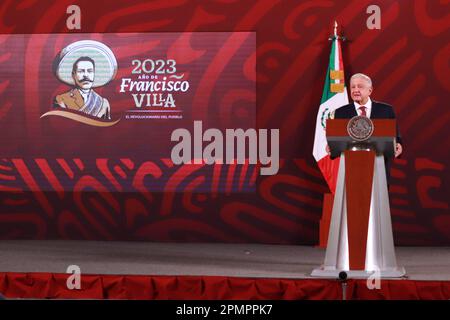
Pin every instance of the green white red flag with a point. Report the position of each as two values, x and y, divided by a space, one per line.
334 96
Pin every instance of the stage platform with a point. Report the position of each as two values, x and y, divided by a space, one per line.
27 264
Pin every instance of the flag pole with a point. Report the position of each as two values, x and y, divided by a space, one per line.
335 34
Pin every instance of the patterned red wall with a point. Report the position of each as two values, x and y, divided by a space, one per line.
408 60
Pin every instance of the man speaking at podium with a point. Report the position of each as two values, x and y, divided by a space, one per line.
360 90
360 238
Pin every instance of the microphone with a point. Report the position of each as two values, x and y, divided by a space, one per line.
343 281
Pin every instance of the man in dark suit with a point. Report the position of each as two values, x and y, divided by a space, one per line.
360 90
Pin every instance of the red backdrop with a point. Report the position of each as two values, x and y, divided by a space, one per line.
408 60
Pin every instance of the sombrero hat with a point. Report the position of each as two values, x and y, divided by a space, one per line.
105 61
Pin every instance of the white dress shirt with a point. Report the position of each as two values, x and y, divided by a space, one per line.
84 95
368 106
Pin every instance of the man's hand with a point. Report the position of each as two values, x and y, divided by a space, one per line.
327 149
398 150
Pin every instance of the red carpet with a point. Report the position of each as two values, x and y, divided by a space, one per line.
53 286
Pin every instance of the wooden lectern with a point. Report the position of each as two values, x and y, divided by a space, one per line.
360 239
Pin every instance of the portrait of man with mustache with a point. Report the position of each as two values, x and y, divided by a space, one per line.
82 97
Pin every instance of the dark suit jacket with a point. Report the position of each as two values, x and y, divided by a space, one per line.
379 111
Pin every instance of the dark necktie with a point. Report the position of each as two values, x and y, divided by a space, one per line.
363 111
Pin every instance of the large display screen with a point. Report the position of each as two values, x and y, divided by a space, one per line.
110 105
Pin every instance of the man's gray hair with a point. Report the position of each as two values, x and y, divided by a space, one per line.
362 76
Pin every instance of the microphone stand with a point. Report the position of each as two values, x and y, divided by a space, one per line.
343 281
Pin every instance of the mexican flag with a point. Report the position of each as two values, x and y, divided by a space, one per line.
334 96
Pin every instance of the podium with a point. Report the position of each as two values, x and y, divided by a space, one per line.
360 240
